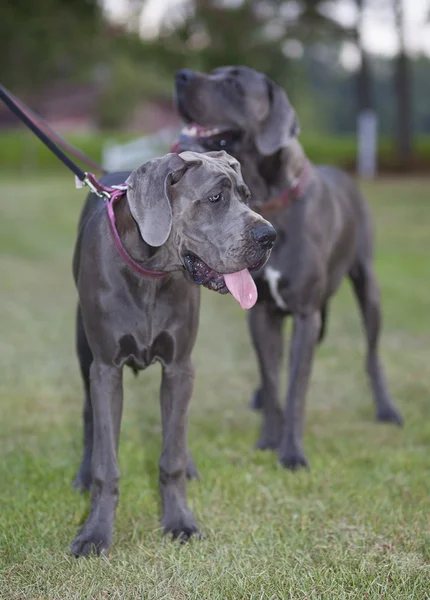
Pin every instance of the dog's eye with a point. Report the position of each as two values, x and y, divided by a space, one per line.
215 198
246 194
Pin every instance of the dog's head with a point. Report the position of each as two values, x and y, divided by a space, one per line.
194 208
231 105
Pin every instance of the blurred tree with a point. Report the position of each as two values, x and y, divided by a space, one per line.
267 35
214 34
41 40
402 84
420 68
365 99
296 42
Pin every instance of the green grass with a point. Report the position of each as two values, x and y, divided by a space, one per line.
354 526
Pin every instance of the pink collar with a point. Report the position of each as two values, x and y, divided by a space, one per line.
112 195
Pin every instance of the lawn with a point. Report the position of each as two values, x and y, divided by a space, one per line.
353 526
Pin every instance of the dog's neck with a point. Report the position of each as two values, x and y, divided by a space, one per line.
269 176
288 165
293 161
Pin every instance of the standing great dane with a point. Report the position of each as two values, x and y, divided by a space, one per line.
184 221
324 234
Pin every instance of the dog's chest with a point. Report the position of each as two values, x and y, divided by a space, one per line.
273 277
138 354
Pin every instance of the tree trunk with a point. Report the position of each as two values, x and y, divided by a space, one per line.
367 121
402 87
364 95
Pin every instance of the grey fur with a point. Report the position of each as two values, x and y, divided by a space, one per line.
126 319
324 236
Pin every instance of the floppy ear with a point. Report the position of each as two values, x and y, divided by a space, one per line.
280 126
148 196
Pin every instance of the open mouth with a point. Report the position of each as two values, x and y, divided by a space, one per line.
211 138
239 284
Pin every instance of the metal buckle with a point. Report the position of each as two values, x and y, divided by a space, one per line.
101 194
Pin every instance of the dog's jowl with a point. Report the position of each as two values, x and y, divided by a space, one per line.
185 216
324 234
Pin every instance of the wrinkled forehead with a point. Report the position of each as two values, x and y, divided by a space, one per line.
217 160
252 80
211 169
245 90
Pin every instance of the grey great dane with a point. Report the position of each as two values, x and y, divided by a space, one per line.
324 234
184 221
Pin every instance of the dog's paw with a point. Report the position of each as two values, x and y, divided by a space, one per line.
389 414
267 442
182 528
293 459
90 542
192 472
256 402
271 432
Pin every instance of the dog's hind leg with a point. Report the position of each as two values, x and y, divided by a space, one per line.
367 293
192 472
82 480
266 331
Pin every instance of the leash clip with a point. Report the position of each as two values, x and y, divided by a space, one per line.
99 192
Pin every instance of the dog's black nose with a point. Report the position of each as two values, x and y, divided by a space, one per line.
183 76
264 235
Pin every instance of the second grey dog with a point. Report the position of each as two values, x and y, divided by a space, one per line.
324 234
184 215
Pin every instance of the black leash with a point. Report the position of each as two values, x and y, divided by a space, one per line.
36 125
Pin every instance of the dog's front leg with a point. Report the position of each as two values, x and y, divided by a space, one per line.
106 397
176 390
305 334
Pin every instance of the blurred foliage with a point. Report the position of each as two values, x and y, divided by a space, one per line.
421 93
130 81
212 33
21 151
42 40
296 42
252 33
333 92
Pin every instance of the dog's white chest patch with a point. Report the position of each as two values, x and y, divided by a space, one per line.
272 276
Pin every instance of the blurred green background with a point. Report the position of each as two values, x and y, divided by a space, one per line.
105 68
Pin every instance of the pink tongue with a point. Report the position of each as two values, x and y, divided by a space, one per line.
242 287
